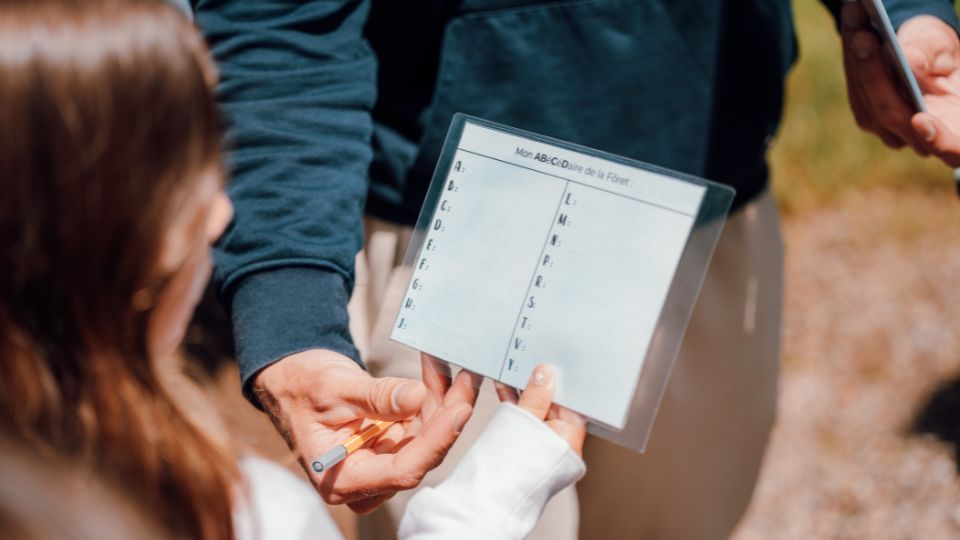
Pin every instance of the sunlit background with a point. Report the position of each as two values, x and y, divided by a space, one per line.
871 350
820 153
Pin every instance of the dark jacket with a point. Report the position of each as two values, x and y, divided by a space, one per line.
340 107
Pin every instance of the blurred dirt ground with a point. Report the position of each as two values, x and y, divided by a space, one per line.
871 357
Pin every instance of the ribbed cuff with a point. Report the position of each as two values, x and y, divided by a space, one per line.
500 487
902 10
524 464
284 311
540 462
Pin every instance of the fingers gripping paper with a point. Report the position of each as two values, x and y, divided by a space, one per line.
530 250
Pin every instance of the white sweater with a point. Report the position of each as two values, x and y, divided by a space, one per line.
498 490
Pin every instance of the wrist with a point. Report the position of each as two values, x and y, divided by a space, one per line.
279 313
924 23
298 372
903 12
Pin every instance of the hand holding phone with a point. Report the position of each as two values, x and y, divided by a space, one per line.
904 87
896 60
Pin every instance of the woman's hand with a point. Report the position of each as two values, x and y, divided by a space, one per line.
537 399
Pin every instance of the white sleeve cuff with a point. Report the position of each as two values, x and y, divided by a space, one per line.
502 484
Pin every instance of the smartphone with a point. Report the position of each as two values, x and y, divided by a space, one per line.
891 47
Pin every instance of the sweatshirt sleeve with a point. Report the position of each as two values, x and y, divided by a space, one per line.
298 82
902 10
500 487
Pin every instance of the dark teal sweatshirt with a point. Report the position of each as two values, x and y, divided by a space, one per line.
338 108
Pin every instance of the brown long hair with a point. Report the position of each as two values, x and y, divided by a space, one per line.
107 120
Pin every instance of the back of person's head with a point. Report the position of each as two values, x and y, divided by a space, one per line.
108 125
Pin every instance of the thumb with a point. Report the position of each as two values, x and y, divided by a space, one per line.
940 139
928 66
919 60
538 395
929 45
385 398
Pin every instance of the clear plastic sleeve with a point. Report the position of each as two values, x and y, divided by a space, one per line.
531 250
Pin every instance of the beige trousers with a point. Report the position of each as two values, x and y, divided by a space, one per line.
697 475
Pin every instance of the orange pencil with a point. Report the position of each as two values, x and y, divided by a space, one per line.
350 445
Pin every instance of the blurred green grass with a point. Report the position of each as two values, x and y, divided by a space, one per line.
820 153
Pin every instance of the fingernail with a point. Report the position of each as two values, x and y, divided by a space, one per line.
542 375
928 130
943 63
862 45
460 419
395 396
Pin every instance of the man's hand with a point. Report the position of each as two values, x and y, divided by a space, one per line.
876 96
317 398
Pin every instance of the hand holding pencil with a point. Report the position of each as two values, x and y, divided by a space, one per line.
318 399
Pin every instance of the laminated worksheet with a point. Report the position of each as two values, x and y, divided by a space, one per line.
531 250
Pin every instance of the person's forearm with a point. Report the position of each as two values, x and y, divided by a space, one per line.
285 311
297 84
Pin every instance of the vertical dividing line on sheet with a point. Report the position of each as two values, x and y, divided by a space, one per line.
526 295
